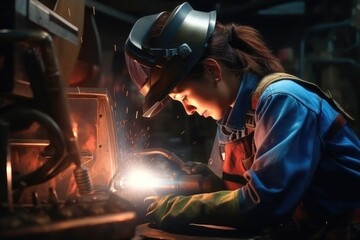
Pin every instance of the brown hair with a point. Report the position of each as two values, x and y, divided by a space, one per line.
239 48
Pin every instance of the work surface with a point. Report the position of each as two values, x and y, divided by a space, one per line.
193 232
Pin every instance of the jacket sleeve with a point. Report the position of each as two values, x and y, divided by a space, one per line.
288 151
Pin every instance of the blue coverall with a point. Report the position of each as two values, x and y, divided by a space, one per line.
294 162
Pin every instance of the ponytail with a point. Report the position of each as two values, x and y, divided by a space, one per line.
241 49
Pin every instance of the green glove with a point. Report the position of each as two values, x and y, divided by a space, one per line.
217 208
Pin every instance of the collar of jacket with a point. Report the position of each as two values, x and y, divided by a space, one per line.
234 119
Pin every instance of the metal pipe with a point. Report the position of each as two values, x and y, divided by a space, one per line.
54 84
5 167
54 87
20 117
29 142
161 151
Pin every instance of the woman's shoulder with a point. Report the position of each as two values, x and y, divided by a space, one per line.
290 89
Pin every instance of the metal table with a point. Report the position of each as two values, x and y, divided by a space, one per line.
193 232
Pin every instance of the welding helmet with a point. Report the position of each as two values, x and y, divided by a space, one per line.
156 70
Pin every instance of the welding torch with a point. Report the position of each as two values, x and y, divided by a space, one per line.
181 184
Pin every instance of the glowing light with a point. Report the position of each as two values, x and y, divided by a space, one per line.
75 129
140 179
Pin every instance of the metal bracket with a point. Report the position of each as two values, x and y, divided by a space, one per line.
41 15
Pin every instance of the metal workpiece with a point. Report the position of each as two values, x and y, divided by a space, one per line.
91 216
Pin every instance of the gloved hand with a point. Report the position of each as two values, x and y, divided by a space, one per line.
210 181
191 167
217 208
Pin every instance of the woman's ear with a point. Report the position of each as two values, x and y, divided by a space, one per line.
213 67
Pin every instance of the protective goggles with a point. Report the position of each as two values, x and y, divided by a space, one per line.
156 70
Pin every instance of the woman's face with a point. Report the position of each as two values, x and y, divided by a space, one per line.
207 97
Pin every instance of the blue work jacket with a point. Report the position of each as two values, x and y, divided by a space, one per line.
294 162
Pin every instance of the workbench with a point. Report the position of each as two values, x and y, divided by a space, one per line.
193 232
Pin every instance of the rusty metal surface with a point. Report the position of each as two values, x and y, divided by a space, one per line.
93 121
94 216
192 232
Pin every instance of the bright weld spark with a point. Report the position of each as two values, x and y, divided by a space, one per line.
136 115
93 8
140 179
114 47
182 132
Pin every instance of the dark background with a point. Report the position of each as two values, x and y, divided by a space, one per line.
317 40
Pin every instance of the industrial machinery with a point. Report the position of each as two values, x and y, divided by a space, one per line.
60 160
58 147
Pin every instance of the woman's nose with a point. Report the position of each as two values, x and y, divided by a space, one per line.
190 109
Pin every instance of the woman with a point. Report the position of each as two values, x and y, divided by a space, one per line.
290 158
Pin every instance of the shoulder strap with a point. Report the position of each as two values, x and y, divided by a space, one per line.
274 77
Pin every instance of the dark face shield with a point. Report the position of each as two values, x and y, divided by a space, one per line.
140 74
156 70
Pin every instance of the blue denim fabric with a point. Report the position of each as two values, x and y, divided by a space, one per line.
294 162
